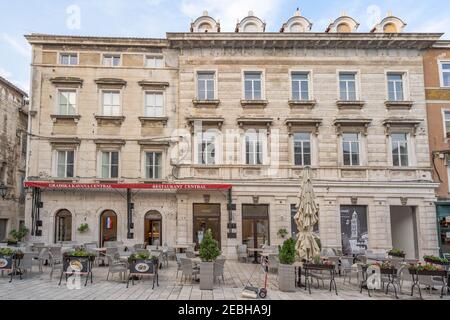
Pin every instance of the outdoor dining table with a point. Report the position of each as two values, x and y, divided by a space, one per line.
181 247
322 268
255 252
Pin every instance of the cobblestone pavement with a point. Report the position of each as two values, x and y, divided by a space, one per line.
39 286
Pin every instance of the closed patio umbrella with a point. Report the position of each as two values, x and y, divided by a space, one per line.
306 218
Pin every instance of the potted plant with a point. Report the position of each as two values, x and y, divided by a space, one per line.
397 253
19 235
436 260
143 264
427 270
78 261
209 251
286 270
83 228
282 233
317 263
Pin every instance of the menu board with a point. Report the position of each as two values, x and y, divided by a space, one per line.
6 263
143 267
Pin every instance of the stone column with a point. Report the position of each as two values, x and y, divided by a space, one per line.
330 223
281 219
379 225
427 236
182 219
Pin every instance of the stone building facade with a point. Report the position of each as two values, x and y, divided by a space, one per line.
13 146
437 84
235 120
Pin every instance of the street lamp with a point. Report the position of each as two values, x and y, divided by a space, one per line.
3 191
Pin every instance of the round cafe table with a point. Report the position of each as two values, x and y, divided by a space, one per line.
255 252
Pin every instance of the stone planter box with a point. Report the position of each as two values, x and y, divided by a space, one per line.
207 276
436 262
78 264
286 277
439 273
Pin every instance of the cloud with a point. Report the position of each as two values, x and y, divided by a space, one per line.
229 11
21 48
440 25
5 73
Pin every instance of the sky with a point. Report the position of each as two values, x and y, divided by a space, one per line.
153 18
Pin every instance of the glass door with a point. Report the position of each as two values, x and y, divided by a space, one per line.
206 216
153 232
255 225
108 227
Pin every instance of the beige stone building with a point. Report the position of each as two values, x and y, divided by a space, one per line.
159 139
13 146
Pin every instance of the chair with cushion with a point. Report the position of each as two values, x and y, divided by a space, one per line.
273 262
26 264
178 258
242 253
55 263
42 258
188 270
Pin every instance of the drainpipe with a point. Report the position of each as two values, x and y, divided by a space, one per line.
130 208
232 234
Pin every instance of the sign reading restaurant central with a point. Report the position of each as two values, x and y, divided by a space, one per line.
52 185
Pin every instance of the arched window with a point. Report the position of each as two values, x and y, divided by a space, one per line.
343 28
251 27
205 27
390 28
63 226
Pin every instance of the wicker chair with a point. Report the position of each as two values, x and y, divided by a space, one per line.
188 270
219 268
116 266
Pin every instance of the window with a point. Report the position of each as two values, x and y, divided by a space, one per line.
111 103
254 148
350 147
445 74
68 59
347 86
207 149
154 104
302 149
300 86
396 87
399 149
67 101
153 165
205 85
110 60
154 62
63 226
65 163
447 124
253 85
24 142
110 164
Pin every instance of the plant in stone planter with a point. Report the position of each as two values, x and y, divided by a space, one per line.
435 260
83 228
282 233
209 252
286 270
19 235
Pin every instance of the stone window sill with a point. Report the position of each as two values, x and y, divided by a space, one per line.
302 103
254 103
407 105
57 117
357 104
206 103
146 120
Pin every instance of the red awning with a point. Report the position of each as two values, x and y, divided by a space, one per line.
138 186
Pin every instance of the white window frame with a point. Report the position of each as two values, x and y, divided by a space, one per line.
444 124
360 149
357 83
263 83
56 162
197 72
100 166
405 78
311 144
200 139
145 166
112 55
441 72
154 56
163 93
408 149
260 133
70 54
310 83
58 92
102 104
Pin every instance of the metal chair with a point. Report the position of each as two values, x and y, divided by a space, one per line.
242 253
116 266
178 258
219 267
55 263
26 264
188 270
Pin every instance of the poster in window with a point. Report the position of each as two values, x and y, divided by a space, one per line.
354 230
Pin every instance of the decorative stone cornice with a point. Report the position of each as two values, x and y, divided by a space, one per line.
299 122
145 120
110 142
214 121
72 81
65 141
402 123
348 122
153 84
111 82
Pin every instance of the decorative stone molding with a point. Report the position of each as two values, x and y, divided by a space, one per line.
65 141
205 24
254 103
296 24
402 123
251 24
206 103
111 82
147 120
407 105
218 121
356 104
67 81
302 103
343 24
110 120
153 85
362 123
390 24
57 117
154 143
110 142
297 122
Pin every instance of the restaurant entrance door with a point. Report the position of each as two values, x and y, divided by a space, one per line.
206 216
153 230
255 225
108 227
